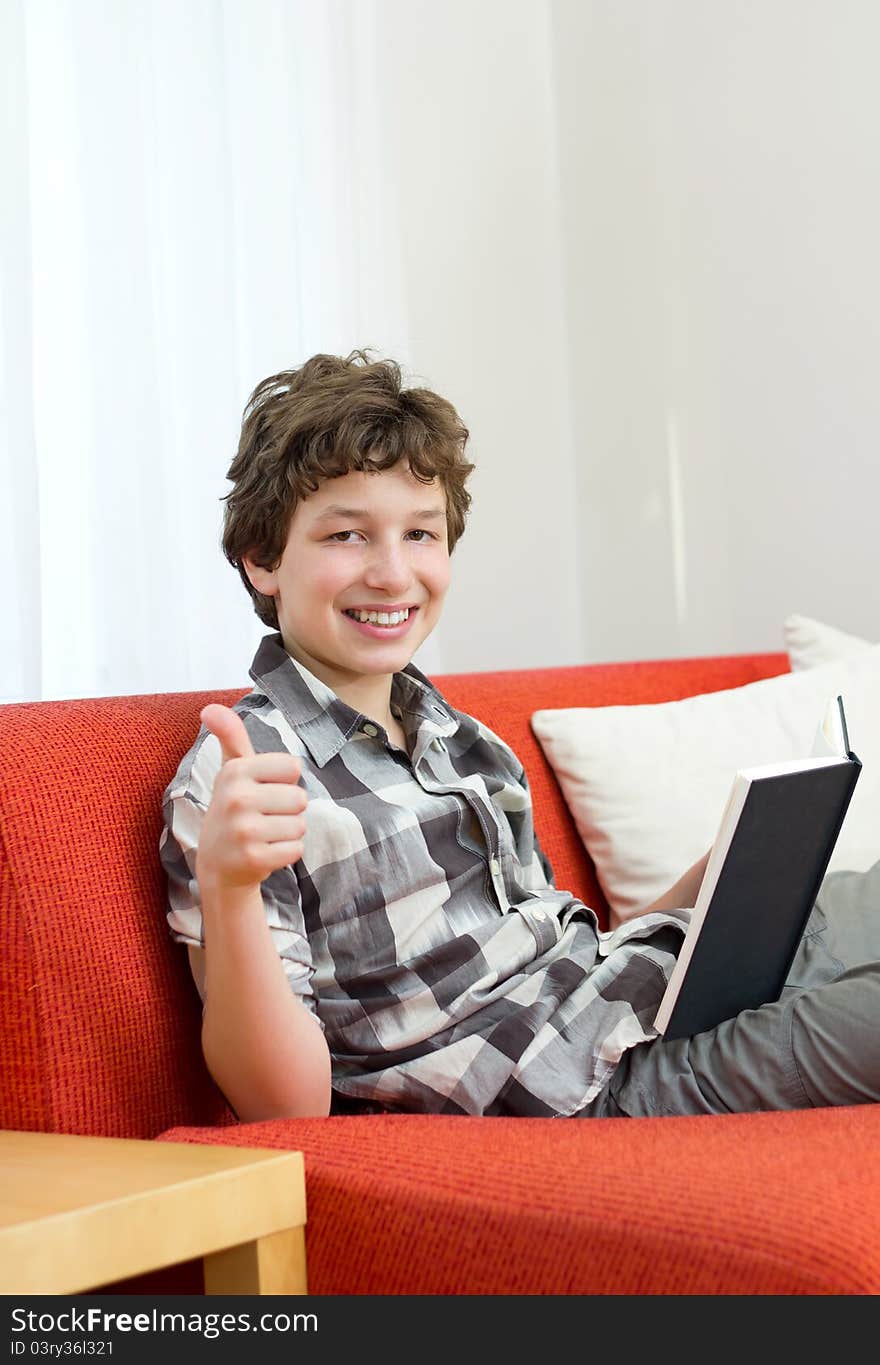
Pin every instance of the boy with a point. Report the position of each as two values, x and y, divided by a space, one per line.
352 862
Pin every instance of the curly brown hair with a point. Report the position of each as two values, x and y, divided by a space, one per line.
331 416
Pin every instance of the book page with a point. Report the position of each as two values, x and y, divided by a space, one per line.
831 737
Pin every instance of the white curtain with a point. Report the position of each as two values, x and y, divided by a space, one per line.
193 197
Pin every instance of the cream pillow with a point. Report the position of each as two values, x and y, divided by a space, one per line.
646 785
810 643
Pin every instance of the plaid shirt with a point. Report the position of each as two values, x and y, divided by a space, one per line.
421 925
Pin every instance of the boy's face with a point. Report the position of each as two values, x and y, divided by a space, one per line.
361 543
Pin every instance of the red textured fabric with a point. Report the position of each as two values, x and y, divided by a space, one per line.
741 1204
101 1022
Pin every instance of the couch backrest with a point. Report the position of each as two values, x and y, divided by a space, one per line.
100 1018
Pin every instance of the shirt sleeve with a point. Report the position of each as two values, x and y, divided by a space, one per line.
185 804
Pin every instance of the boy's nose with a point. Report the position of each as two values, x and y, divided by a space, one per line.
387 569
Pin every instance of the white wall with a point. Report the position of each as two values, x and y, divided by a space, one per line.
638 251
720 172
469 117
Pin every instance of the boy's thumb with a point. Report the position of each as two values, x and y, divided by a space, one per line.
228 727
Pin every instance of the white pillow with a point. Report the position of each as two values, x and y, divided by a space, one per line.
647 785
810 643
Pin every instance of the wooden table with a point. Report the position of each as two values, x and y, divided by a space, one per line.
80 1212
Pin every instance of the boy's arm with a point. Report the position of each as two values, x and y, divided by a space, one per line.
264 1049
683 895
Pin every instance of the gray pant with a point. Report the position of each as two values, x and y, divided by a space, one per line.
819 1044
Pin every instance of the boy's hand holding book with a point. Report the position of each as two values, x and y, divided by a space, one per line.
255 822
683 895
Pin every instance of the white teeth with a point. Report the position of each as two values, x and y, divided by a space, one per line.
380 618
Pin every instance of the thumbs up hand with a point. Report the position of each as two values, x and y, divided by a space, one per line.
255 822
228 727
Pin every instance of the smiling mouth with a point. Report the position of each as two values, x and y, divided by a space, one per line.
384 619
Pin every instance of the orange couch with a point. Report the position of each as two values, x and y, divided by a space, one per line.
101 1035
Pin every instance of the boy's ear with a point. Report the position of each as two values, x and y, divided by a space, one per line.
264 580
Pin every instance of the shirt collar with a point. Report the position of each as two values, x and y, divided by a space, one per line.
322 720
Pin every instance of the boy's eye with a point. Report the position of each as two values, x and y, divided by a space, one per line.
344 537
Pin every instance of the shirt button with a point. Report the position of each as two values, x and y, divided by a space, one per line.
438 743
370 730
494 867
540 914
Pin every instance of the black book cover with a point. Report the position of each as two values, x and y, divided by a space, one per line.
780 850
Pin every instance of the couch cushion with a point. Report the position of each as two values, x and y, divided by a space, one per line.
810 643
414 1204
647 784
505 702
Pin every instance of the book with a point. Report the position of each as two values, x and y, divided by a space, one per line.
765 868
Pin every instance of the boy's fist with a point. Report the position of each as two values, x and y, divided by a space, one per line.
255 822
